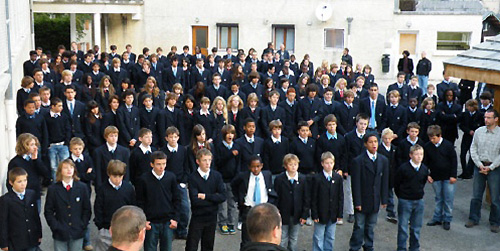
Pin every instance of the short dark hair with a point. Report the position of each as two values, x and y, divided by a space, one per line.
16 172
369 135
495 112
373 85
248 120
361 116
434 130
262 220
254 158
157 155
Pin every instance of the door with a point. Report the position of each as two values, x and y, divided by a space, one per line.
200 38
408 42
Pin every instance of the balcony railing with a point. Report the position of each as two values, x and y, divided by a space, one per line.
439 6
91 1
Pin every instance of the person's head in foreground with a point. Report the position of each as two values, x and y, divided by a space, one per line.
128 228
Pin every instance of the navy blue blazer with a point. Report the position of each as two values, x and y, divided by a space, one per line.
21 227
169 78
247 150
212 93
76 119
118 76
327 202
269 115
203 77
290 123
128 124
154 121
67 212
403 93
240 188
370 182
293 200
443 86
396 119
102 156
310 111
365 107
346 118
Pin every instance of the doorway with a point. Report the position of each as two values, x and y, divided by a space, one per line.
200 38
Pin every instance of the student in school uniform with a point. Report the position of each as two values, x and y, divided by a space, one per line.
85 171
275 149
205 118
400 86
110 150
253 86
272 112
445 85
441 159
374 107
21 228
140 156
86 64
92 127
206 193
252 188
172 74
414 113
59 129
409 185
219 111
289 104
187 115
216 89
403 150
333 142
200 74
178 164
67 208
293 200
354 147
329 106
253 111
486 100
234 107
370 183
309 109
448 114
395 113
27 84
104 91
360 90
152 118
305 148
388 149
117 73
28 159
431 93
428 117
96 74
110 116
346 113
39 81
111 196
75 111
413 90
128 120
249 144
326 203
470 120
161 208
31 64
227 163
30 122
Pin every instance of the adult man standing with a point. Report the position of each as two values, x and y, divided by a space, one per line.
346 57
128 229
424 66
264 228
485 152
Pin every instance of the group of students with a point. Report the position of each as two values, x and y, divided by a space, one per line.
197 154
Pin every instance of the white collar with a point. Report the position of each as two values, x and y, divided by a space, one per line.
52 114
171 149
95 72
70 102
171 109
203 113
76 158
250 139
117 69
275 139
327 174
66 184
159 177
110 148
115 186
201 144
202 174
415 166
273 107
388 148
19 194
412 109
260 175
359 134
440 142
370 155
412 142
295 178
144 148
302 139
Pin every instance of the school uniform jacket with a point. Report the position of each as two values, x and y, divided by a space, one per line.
306 153
443 86
415 93
102 156
355 147
290 124
212 93
35 125
269 115
215 193
117 76
240 188
196 76
109 199
365 107
293 199
169 78
21 227
274 153
370 182
67 212
346 117
45 83
327 202
154 120
178 163
247 150
403 93
391 156
226 162
415 116
256 115
307 111
396 119
21 96
448 119
76 119
128 124
208 122
248 88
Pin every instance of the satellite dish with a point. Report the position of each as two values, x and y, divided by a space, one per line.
324 12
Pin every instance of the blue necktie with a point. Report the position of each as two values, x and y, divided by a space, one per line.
71 108
205 177
372 116
373 158
329 178
21 196
256 192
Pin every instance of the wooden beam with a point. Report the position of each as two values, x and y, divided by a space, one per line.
474 74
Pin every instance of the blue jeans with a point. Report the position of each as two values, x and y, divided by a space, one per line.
362 232
228 213
412 211
184 214
324 236
290 235
162 232
390 204
422 82
71 245
57 153
493 179
86 238
445 193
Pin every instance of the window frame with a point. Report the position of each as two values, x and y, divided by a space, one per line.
286 27
325 30
229 42
457 42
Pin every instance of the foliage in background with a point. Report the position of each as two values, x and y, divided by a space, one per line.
52 30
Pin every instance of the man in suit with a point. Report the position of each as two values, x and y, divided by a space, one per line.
252 188
31 64
374 107
370 189
75 111
283 52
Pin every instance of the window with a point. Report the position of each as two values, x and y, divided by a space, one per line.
228 36
284 34
334 38
453 40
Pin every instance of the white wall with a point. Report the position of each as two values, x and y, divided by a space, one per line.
21 43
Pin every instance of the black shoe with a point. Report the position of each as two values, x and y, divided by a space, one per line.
350 219
392 219
181 237
434 223
446 225
494 229
470 224
467 177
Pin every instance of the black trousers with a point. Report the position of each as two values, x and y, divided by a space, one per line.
467 168
204 230
244 231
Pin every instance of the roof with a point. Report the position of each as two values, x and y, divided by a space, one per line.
481 62
455 6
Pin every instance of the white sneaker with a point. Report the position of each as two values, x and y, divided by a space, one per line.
309 222
239 225
340 222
